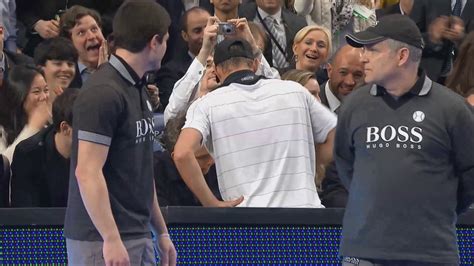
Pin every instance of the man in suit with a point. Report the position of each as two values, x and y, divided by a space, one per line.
192 31
346 73
225 9
277 22
443 25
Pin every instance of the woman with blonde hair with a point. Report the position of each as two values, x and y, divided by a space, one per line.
312 47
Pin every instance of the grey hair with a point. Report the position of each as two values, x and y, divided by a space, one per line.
414 52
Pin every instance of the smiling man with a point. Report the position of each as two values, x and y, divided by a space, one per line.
346 72
57 57
83 27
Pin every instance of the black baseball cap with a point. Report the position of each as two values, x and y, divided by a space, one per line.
397 27
225 50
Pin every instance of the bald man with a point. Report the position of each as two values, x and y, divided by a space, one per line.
346 72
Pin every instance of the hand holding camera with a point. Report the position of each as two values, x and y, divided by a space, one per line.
242 30
226 28
454 29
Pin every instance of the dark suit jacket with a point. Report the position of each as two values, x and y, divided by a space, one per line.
40 175
322 94
424 12
176 10
293 23
170 73
334 194
77 80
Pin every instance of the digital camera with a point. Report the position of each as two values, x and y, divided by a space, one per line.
226 28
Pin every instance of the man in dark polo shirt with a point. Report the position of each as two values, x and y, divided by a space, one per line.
404 150
112 200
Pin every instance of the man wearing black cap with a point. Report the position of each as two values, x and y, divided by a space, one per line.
261 134
404 150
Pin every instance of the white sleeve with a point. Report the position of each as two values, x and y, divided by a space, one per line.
183 90
322 119
264 69
197 117
25 133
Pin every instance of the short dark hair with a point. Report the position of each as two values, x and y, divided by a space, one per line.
62 107
13 96
183 23
136 22
72 15
172 130
58 48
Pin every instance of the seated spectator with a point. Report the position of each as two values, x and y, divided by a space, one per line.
170 187
40 168
461 78
346 73
83 27
312 47
237 122
57 58
24 107
226 9
281 26
193 23
305 78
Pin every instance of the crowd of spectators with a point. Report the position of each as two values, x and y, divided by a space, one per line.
50 49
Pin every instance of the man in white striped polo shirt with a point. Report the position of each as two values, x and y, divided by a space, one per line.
261 133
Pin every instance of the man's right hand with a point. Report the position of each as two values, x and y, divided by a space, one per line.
437 29
47 28
40 115
115 253
226 203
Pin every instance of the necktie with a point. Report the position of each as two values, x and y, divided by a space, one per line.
457 8
279 60
448 64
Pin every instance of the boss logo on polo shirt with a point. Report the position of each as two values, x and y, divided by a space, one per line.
418 116
401 137
145 129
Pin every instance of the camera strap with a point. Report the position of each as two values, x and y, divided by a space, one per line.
271 34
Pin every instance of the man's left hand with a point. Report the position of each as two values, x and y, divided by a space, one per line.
167 251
